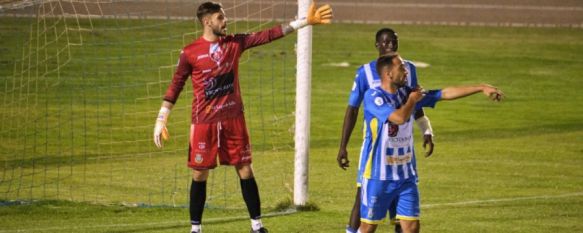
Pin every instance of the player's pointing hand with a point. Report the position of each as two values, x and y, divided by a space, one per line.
492 92
322 15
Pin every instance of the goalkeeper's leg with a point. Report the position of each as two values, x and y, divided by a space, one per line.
197 198
235 149
250 193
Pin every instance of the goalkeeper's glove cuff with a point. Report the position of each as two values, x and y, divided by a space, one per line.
424 125
163 114
298 23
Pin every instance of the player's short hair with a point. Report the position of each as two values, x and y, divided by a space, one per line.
208 8
392 37
386 62
390 32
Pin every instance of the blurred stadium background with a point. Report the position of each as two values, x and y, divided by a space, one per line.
519 13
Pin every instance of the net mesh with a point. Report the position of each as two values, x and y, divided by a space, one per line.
83 82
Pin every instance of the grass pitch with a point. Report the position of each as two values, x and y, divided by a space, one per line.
513 166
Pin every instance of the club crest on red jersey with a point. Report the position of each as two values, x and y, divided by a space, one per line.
215 52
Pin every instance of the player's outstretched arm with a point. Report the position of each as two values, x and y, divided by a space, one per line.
349 121
321 15
452 93
160 130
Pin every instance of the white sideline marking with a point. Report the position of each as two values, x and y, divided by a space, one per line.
337 64
465 203
420 64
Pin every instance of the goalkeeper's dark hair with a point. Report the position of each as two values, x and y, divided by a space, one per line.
393 37
386 62
208 8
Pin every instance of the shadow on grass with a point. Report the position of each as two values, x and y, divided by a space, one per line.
150 228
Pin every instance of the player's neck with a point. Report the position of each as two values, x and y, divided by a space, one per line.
388 87
385 53
209 36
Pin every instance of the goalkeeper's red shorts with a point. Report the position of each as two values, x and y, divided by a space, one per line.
228 139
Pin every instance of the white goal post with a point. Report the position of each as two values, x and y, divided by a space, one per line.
303 94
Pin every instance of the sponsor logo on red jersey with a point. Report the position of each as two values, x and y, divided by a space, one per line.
219 86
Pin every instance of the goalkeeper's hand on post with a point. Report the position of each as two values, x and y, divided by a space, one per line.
160 130
322 15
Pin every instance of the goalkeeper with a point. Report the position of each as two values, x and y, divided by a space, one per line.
218 123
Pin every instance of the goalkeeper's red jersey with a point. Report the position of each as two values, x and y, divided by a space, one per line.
214 68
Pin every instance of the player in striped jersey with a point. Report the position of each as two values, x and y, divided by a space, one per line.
389 157
387 42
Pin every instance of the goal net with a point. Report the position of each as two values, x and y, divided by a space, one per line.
81 84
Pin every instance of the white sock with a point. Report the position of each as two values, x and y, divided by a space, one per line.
256 224
196 228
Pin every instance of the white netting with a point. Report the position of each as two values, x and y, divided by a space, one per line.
82 82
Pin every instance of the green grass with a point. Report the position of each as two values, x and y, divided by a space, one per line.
82 135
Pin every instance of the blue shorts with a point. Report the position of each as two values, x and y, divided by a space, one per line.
392 206
379 196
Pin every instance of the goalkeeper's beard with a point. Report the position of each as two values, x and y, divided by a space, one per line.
220 31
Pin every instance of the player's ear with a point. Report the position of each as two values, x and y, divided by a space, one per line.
206 20
389 74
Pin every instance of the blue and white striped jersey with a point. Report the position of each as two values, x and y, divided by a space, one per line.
387 152
368 78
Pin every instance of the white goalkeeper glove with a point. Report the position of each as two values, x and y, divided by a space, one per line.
322 15
160 130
